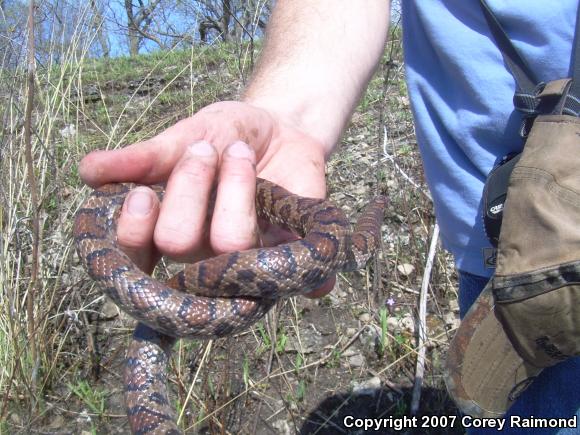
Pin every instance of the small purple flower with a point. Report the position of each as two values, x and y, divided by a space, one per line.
390 304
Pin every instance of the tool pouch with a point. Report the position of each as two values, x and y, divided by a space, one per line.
532 215
553 97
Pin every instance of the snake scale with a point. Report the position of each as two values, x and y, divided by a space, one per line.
218 296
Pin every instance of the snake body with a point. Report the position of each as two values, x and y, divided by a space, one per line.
218 296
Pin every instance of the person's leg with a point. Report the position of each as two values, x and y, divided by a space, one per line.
470 286
554 394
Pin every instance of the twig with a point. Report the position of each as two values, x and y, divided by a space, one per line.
420 369
32 290
396 388
206 352
272 321
398 168
405 289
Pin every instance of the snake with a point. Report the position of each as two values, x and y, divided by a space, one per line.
218 296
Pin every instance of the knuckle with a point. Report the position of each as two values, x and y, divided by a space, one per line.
231 237
175 242
239 173
132 240
195 171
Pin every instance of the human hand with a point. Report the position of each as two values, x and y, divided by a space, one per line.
223 146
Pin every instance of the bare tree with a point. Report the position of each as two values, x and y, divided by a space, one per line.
140 17
171 23
64 27
144 25
99 26
13 16
231 19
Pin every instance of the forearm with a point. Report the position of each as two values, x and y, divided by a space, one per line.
317 60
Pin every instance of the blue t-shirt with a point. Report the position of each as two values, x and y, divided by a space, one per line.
461 95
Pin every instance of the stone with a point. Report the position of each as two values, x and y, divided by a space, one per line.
365 317
405 269
368 387
356 360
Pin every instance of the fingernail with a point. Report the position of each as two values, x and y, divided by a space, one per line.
139 203
240 150
202 149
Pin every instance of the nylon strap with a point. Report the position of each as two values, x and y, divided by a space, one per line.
527 86
572 104
526 82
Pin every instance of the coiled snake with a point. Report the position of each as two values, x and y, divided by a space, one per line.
247 283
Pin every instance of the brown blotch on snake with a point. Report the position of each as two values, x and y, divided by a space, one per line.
218 296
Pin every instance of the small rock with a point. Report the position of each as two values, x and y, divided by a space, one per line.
408 323
452 320
282 427
405 269
357 360
349 352
392 183
369 339
332 300
84 417
350 332
110 309
404 323
368 387
57 422
403 239
308 343
454 305
393 324
364 317
69 131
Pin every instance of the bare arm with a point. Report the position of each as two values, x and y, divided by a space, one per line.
318 58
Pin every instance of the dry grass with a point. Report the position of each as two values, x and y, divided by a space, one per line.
298 371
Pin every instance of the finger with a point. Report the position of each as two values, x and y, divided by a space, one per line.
323 290
152 161
136 225
234 223
180 230
144 162
148 162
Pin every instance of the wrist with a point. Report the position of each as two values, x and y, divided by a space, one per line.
302 119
